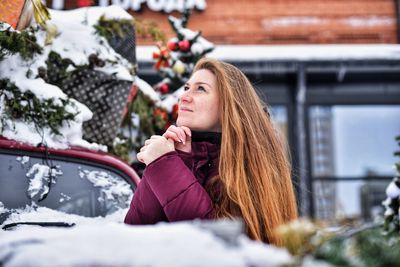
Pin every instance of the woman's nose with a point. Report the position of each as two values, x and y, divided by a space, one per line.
186 97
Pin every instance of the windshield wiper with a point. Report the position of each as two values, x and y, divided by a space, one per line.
44 224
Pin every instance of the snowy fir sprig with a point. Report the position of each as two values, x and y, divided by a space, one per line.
13 42
113 27
27 107
392 201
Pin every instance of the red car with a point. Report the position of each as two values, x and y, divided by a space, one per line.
75 180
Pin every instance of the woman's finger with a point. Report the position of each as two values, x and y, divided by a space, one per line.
172 127
139 156
172 135
142 148
179 132
187 130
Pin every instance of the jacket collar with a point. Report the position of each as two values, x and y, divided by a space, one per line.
211 137
205 145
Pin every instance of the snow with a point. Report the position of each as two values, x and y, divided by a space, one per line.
69 24
40 176
79 22
92 14
201 43
147 89
172 99
39 87
64 197
167 102
393 191
4 26
112 189
388 210
23 159
71 135
293 52
100 243
3 209
36 213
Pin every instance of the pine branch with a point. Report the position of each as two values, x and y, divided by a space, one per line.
28 108
185 17
24 43
145 29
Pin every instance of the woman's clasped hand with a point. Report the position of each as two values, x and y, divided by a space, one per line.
174 138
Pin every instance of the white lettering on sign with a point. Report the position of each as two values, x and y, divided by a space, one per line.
125 4
154 5
58 4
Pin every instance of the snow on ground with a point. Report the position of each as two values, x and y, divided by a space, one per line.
100 243
70 25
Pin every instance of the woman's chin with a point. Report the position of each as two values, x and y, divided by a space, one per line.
180 122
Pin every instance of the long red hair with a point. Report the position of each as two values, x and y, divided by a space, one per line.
254 180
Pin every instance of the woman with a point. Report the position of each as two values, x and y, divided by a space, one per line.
224 159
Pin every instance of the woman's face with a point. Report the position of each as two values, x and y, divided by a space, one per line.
198 105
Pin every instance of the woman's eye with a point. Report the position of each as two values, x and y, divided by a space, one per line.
201 88
186 88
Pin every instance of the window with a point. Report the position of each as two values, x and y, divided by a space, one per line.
279 118
353 147
77 186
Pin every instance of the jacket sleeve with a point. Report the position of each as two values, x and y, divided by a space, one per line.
144 208
180 194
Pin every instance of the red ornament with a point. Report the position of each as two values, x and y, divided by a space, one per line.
164 88
160 113
173 46
184 45
84 3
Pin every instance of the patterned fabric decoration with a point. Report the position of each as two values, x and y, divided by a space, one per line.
126 45
11 10
105 96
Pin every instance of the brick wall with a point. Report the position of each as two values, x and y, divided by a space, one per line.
288 21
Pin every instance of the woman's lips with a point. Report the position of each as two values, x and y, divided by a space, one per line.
185 109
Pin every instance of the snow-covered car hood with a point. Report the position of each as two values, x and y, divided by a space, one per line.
107 242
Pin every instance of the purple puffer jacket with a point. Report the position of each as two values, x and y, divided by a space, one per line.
172 186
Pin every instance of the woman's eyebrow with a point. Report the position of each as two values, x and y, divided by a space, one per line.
187 84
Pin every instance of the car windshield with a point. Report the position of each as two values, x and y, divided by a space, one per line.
75 187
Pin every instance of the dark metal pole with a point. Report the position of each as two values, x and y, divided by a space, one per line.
397 3
301 140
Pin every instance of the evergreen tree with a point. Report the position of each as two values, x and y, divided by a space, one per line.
176 60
